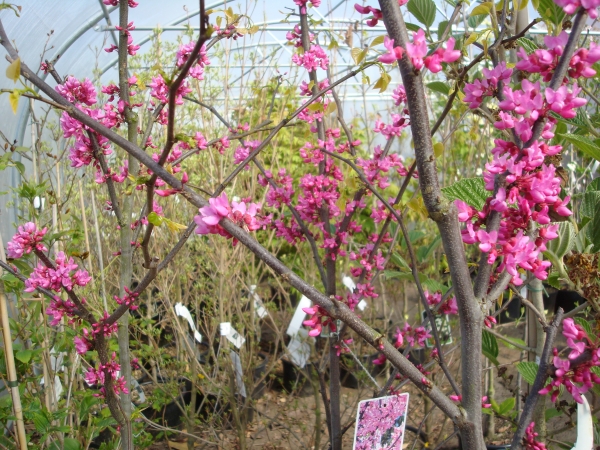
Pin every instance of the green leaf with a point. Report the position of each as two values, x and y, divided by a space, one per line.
470 190
71 444
434 286
482 8
551 413
527 44
585 325
565 241
551 12
441 28
24 355
475 21
528 370
589 203
507 342
155 219
438 86
423 10
377 41
592 229
490 346
506 406
412 27
41 422
585 144
400 261
594 185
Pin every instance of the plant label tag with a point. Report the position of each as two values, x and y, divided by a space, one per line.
259 307
239 375
380 423
362 305
182 311
225 328
349 283
298 317
299 349
232 336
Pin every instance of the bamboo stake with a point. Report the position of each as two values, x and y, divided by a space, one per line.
99 245
13 384
85 231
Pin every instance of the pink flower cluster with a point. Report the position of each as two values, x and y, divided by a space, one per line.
377 16
376 168
532 188
65 274
283 191
241 213
447 55
302 4
529 441
128 299
486 86
448 307
131 3
27 239
197 70
59 308
484 400
545 60
399 123
160 90
77 91
242 152
312 59
571 6
97 377
576 377
318 319
131 47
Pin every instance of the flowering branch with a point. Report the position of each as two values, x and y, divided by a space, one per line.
540 379
445 216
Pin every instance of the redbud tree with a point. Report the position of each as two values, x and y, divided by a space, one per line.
525 94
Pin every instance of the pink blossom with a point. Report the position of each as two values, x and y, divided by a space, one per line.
27 239
393 53
311 59
77 91
417 50
447 55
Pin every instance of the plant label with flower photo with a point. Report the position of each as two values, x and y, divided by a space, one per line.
380 423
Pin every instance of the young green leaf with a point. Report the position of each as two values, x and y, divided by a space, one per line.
470 190
423 10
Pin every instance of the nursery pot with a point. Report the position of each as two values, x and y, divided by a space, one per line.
294 379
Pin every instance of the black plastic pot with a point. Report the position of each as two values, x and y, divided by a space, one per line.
294 379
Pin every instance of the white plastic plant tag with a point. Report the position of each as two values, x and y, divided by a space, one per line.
349 283
259 307
380 423
232 336
225 328
299 349
58 387
298 317
56 360
239 374
585 427
182 311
